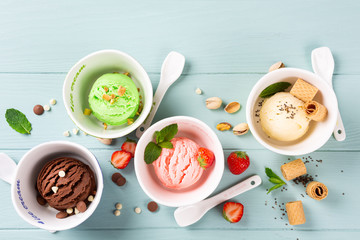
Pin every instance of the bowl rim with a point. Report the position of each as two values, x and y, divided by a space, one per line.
209 190
250 101
128 129
98 175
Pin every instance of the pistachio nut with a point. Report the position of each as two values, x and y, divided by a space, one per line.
224 126
106 141
213 103
241 129
232 107
276 66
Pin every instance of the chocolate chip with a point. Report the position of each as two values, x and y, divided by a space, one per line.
152 206
118 179
61 215
38 109
41 201
121 181
81 206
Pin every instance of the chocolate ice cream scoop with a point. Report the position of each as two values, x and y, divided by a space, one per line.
63 191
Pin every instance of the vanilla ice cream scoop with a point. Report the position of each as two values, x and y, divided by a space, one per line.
283 118
178 168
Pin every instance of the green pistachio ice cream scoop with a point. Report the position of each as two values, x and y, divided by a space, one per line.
114 98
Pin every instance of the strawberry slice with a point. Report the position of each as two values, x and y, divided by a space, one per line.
233 212
206 157
129 146
120 159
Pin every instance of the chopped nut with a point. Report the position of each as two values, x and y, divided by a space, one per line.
118 206
54 189
105 126
126 73
106 141
87 111
224 126
121 91
90 198
137 210
69 210
112 101
232 107
130 121
47 108
52 101
66 134
75 131
106 89
198 91
241 129
213 103
276 66
76 211
106 97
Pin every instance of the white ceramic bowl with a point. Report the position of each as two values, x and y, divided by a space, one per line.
23 190
318 133
81 77
197 131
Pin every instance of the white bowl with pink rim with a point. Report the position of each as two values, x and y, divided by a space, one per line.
200 133
85 72
318 133
23 178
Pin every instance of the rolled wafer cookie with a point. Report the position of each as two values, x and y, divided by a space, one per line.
317 190
315 111
303 90
293 169
295 212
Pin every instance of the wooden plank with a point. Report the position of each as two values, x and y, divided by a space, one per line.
227 36
338 170
23 91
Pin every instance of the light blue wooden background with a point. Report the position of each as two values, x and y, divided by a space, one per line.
228 46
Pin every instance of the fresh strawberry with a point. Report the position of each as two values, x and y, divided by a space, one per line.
233 212
206 157
120 159
238 162
129 146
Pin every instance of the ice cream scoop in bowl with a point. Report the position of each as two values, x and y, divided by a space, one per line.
317 134
113 96
155 187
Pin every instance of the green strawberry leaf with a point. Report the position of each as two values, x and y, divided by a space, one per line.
275 187
169 132
240 154
18 121
152 152
274 88
166 145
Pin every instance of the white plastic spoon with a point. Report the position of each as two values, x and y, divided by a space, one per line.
323 65
187 215
170 71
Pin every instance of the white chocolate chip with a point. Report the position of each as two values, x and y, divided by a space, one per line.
85 133
47 108
55 189
137 210
118 206
76 211
69 210
91 198
75 131
52 101
61 174
66 134
198 91
117 212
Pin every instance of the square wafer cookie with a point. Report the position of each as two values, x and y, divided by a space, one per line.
303 90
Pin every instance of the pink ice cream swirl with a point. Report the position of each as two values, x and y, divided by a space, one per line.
178 168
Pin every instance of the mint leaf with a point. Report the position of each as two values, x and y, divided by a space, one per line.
152 152
166 145
169 132
274 88
158 137
275 187
18 121
275 180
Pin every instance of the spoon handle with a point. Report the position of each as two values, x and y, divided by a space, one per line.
239 188
159 94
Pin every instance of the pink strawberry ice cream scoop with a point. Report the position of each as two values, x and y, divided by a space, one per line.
178 168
